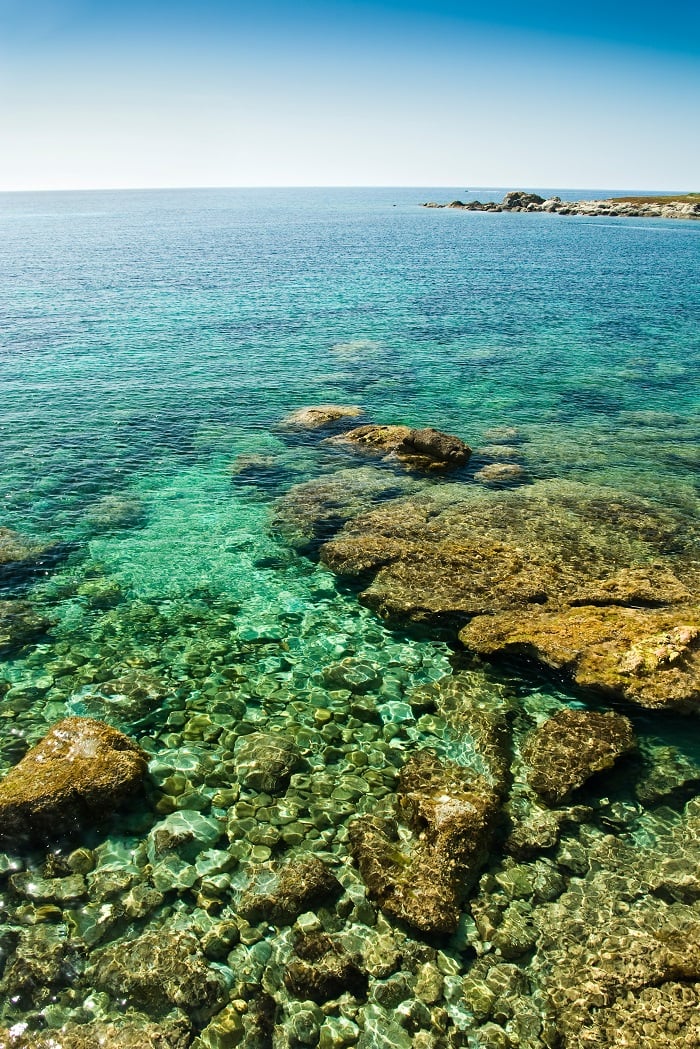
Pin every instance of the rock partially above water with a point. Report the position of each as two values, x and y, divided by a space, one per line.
79 772
451 812
572 746
685 207
587 580
424 449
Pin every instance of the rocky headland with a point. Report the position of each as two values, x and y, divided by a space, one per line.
684 207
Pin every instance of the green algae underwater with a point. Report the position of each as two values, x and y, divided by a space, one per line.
180 564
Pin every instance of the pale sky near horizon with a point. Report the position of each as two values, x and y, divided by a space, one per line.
353 92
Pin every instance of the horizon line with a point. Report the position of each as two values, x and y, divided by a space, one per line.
327 185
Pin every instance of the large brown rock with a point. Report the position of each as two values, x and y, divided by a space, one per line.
302 885
570 747
79 772
584 579
451 812
422 449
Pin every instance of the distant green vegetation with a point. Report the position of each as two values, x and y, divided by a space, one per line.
664 198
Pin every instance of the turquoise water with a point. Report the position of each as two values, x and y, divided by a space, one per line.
150 340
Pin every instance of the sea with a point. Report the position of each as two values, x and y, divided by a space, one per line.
151 344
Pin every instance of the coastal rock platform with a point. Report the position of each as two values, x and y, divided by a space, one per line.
687 207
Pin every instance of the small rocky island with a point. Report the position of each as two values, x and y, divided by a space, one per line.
684 206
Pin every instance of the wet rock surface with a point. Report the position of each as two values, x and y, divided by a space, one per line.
76 776
19 624
323 969
597 584
320 416
266 761
129 1033
572 746
422 449
302 885
451 814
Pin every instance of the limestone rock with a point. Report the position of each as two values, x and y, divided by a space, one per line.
320 416
451 813
570 747
582 578
303 884
266 761
80 771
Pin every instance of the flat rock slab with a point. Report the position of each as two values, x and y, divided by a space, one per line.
585 579
569 748
79 773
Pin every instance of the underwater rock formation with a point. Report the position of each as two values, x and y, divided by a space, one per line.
424 449
132 1032
323 969
22 559
302 885
585 579
571 747
320 416
79 772
266 761
451 812
19 624
162 968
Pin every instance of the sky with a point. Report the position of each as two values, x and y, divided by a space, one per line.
148 93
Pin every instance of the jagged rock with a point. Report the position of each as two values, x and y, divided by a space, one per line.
518 199
580 577
424 449
570 747
266 761
322 970
19 624
162 968
451 812
303 884
320 416
80 771
132 1032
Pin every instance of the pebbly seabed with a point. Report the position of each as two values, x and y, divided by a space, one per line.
418 706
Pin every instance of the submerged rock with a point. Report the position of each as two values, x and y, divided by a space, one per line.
19 624
320 416
302 885
569 748
79 772
132 1032
451 812
323 969
21 558
162 968
265 761
498 475
582 578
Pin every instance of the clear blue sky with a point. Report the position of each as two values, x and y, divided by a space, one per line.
401 92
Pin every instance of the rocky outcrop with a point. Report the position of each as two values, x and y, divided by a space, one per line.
451 813
423 449
569 748
687 207
597 584
79 773
302 885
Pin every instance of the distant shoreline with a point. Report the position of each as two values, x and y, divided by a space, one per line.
682 206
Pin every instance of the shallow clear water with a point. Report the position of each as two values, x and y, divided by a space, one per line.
149 340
